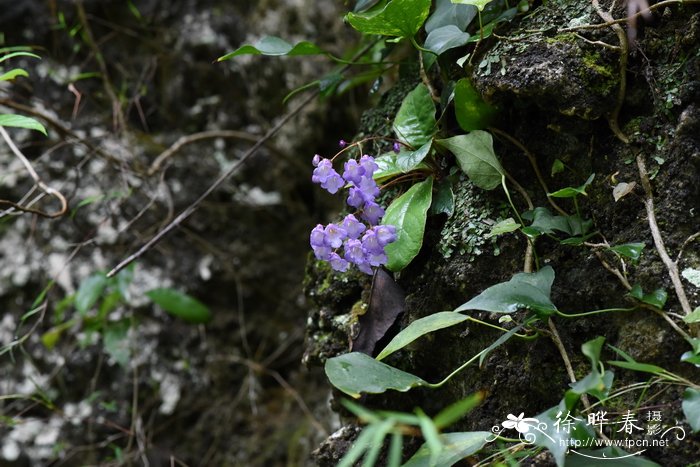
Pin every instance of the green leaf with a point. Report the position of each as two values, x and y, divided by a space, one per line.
377 442
400 18
691 408
12 74
388 167
116 342
443 200
544 222
447 13
430 434
656 298
475 156
456 446
409 160
395 449
274 47
355 373
693 317
89 292
692 275
420 327
630 250
415 121
551 432
557 166
502 227
453 412
20 121
408 214
610 456
445 38
480 4
524 290
570 192
180 304
636 366
472 112
18 54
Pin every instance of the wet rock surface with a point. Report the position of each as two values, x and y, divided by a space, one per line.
555 91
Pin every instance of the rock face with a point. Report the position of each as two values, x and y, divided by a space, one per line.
556 88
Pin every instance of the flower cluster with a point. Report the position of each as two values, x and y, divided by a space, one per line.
362 244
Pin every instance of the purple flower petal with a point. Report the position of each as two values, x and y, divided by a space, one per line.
369 188
367 162
338 263
353 172
334 235
355 198
370 243
333 183
318 236
354 251
352 226
322 252
372 212
385 234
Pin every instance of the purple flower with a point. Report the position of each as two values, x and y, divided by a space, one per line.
372 212
354 251
367 162
369 188
352 226
316 160
334 235
322 252
355 198
317 237
333 183
323 170
338 263
370 243
385 234
353 172
397 147
366 268
377 259
342 143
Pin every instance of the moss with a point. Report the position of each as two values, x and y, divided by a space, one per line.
465 231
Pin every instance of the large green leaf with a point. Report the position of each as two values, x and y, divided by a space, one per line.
611 456
180 304
20 121
476 157
454 412
409 160
523 290
470 109
456 446
420 327
447 13
596 383
636 366
402 18
355 373
408 214
274 46
691 408
116 342
415 121
445 38
89 292
388 166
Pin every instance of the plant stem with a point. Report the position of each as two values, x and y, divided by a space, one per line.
588 313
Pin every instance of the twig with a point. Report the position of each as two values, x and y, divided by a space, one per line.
187 212
641 12
658 240
189 139
233 169
37 180
565 356
63 130
615 271
622 90
685 244
117 112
